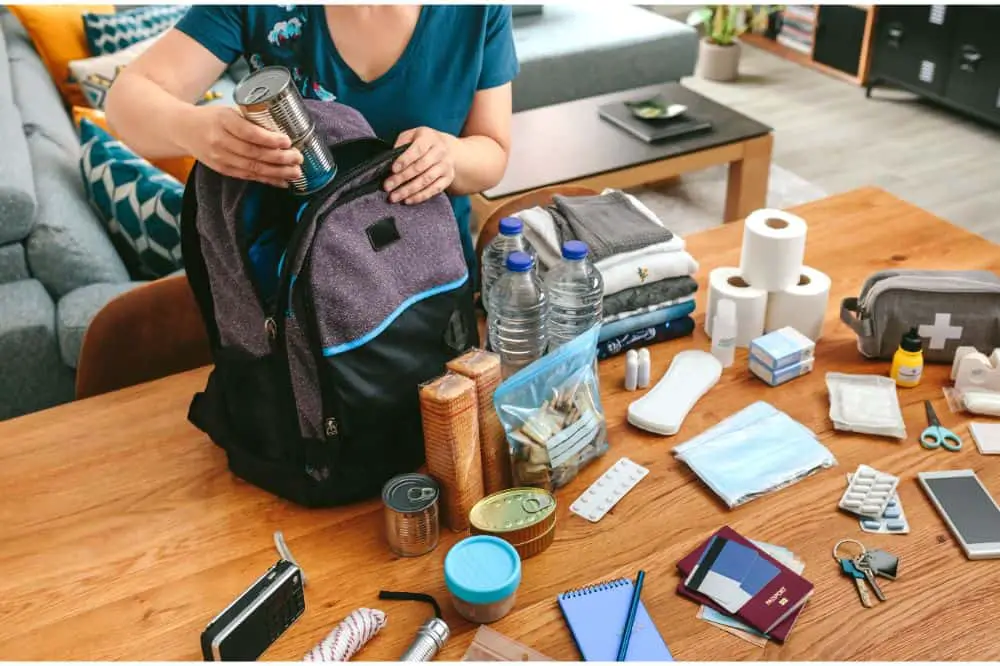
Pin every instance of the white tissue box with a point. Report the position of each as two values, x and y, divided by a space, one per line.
782 348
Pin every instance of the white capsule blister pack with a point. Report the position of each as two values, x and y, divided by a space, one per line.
603 494
869 492
892 521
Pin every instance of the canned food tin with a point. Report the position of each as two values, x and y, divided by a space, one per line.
269 99
318 168
524 517
411 514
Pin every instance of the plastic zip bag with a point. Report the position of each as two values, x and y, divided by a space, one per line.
552 415
490 645
984 403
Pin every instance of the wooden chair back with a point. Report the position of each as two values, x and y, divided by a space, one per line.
149 332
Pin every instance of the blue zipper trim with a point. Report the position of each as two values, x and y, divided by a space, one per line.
409 302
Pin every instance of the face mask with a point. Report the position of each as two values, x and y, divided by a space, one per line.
754 452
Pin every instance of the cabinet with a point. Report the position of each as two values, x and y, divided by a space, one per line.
840 33
949 54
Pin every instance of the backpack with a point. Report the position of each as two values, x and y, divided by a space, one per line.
324 314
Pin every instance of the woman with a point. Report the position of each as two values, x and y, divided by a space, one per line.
436 77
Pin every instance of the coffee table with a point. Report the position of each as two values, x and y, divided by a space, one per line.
570 144
123 533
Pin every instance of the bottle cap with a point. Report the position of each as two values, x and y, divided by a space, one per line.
575 250
510 226
519 262
911 341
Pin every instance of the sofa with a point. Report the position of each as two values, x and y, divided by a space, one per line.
58 266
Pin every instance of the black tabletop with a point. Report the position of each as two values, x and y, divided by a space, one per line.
565 142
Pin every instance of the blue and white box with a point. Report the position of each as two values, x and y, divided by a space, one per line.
782 348
785 374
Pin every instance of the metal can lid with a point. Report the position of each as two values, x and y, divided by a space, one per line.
262 85
514 509
408 493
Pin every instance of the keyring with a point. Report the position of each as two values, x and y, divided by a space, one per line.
842 542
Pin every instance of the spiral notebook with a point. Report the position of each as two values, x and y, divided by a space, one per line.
596 617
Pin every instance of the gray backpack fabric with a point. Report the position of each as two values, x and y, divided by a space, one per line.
949 309
324 314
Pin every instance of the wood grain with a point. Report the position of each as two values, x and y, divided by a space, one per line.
124 533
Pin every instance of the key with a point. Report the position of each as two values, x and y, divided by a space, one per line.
851 570
865 568
882 563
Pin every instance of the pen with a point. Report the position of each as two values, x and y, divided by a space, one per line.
637 590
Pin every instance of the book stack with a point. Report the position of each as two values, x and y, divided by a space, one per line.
797 26
743 588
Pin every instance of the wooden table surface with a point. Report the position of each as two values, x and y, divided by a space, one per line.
123 533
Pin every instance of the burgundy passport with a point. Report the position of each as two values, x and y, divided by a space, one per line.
764 612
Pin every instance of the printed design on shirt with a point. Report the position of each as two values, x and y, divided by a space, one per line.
288 8
256 62
321 93
643 273
284 32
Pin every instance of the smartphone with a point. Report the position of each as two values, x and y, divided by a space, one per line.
971 513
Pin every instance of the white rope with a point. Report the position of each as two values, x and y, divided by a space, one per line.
349 636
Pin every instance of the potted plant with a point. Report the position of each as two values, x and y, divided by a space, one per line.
719 48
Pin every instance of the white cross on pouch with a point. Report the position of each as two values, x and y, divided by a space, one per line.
940 331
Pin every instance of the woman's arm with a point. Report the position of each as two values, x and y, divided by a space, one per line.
151 108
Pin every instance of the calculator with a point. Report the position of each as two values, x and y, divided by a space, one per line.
249 625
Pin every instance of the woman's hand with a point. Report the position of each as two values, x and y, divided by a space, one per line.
425 169
221 138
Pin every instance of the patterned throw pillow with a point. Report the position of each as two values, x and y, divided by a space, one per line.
140 204
95 75
108 33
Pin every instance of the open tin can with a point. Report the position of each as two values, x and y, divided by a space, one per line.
411 514
523 517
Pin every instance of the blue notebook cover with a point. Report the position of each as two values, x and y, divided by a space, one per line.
596 617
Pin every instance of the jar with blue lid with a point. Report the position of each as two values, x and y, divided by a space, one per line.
482 574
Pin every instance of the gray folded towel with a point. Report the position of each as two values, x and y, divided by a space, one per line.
608 223
661 291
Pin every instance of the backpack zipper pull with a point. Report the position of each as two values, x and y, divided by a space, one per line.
271 328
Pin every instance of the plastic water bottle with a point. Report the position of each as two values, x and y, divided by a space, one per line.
519 315
576 292
494 262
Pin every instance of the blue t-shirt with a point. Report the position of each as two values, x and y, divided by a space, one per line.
455 51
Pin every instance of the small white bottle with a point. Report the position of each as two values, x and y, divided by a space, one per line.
724 332
631 370
644 368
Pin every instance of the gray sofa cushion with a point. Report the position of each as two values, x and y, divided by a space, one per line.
34 375
17 189
13 264
35 94
75 311
580 50
526 10
69 247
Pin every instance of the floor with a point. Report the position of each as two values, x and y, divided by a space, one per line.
828 134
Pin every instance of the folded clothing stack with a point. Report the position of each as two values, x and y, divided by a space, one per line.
648 289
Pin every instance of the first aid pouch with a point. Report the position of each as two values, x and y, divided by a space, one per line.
949 309
551 412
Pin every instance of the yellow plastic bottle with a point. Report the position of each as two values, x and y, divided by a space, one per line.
908 362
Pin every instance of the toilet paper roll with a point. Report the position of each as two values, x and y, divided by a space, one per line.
751 303
803 306
774 243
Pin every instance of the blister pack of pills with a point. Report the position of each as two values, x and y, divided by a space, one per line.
869 492
892 521
603 494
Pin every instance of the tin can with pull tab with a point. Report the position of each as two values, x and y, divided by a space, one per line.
523 517
268 98
411 514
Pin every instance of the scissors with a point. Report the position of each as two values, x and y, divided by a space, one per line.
936 435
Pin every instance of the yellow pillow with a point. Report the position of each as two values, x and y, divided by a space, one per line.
178 167
57 31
